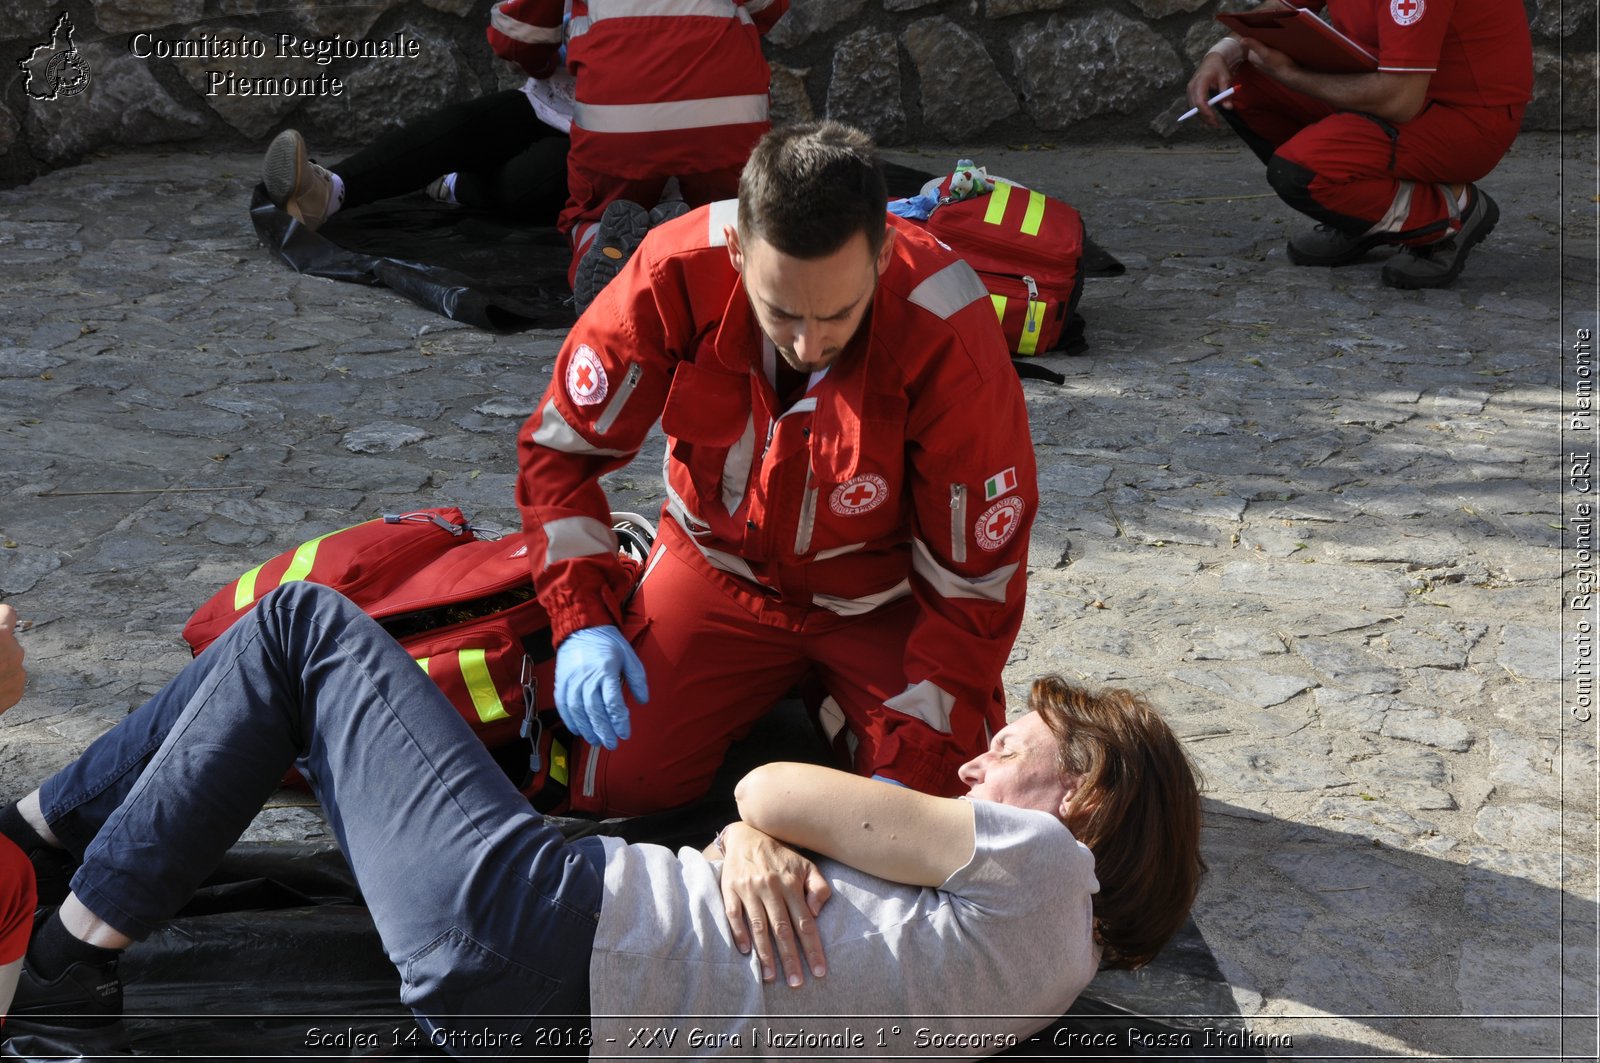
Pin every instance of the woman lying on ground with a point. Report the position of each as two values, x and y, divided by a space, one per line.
913 906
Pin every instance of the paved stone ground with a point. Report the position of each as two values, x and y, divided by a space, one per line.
1316 519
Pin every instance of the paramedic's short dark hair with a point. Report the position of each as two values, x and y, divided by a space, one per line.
809 188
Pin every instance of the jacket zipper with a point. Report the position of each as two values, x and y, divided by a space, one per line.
958 523
613 409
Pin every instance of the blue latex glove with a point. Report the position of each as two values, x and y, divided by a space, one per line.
920 206
591 664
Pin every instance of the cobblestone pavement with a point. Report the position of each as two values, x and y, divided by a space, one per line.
1317 520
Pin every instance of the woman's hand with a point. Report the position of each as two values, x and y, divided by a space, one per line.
773 894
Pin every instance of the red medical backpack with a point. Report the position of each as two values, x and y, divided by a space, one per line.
461 601
1027 248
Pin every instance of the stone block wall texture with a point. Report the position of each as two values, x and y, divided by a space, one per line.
950 72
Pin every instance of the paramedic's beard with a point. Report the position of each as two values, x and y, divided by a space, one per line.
793 361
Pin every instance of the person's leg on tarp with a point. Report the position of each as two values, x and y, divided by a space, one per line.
459 872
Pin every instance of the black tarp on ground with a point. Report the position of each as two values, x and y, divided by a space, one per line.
277 945
471 266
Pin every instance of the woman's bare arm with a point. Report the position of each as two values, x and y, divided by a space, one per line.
885 830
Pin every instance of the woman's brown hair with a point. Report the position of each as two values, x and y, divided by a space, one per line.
1137 808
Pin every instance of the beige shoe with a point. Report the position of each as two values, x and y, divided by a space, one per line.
296 184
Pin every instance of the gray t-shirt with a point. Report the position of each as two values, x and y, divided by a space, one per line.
995 953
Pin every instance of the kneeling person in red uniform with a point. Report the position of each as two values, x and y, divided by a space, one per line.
1387 157
850 487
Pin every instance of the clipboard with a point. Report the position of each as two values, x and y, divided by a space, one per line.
1305 38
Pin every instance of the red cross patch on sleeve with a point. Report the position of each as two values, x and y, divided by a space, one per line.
1405 12
999 523
586 377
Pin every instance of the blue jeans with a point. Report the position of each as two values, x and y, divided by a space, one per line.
483 908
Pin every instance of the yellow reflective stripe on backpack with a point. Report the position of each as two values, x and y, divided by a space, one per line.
244 591
1028 341
997 203
480 685
305 555
1034 216
999 302
423 662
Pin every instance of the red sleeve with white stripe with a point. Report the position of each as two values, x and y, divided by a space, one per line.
1411 34
528 33
608 387
975 495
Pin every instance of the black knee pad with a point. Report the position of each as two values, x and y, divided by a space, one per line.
1292 182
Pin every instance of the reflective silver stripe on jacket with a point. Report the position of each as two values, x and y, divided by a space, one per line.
676 506
630 380
572 537
730 563
857 606
600 10
554 432
755 7
736 467
678 114
837 551
947 584
808 517
947 291
522 31
927 703
724 212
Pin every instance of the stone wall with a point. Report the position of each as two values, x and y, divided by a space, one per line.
932 71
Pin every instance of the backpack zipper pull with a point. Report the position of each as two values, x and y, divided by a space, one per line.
1033 301
531 728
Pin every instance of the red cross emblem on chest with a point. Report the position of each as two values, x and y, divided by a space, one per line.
858 495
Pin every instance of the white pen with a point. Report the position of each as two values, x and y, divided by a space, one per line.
1224 94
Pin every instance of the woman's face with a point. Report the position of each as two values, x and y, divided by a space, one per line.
1019 769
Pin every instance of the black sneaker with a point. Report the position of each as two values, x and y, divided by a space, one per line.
666 210
84 996
622 228
1327 246
1438 265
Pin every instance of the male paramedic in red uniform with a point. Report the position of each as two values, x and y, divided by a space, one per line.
1387 157
850 487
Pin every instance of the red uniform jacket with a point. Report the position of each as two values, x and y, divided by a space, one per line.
668 87
907 469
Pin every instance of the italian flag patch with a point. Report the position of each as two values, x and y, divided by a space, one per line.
999 484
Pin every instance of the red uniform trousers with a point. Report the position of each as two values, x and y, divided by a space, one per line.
1360 174
719 652
16 905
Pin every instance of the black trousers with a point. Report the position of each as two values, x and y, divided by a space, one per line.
505 158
